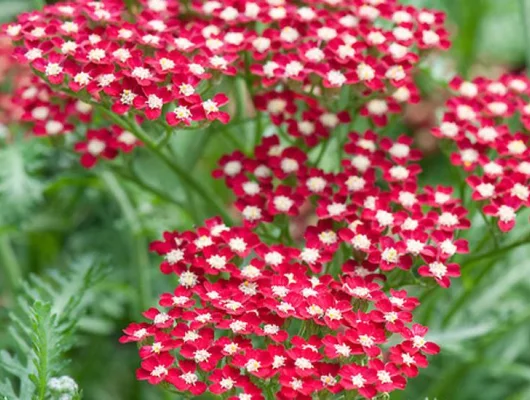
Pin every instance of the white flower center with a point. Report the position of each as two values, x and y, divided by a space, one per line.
303 363
414 246
384 218
384 377
96 54
506 213
316 184
486 189
447 219
289 165
448 247
227 383
366 340
343 349
487 134
328 237
95 147
516 147
238 326
190 378
390 255
252 365
333 314
127 97
315 54
53 69
465 113
437 269
276 106
520 191
310 255
274 258
217 262
159 371
280 291
430 38
283 203
252 213
293 68
188 279
449 129
361 242
365 72
410 224
399 172
141 73
154 102
358 380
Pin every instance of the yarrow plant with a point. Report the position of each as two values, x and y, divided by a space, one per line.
303 290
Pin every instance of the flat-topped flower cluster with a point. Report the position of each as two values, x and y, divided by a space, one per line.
245 305
488 121
263 310
161 62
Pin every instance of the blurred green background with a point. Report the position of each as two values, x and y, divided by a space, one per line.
50 218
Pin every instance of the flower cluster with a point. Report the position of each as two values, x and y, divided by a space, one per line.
254 321
47 112
162 67
390 224
480 119
12 77
262 311
105 143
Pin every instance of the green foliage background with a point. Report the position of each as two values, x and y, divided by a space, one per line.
56 215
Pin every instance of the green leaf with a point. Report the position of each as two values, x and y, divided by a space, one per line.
43 325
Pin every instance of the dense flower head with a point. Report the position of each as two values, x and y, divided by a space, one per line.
247 313
306 296
390 222
153 64
317 312
486 122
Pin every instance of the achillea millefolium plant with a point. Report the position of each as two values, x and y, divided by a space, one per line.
300 288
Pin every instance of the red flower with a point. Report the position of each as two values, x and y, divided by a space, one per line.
98 144
187 379
356 377
157 369
388 376
440 271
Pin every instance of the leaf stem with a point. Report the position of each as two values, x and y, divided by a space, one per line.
525 15
10 263
496 252
183 174
137 241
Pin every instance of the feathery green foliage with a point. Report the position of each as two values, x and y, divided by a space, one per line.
43 327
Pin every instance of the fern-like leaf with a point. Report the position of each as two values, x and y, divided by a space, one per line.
43 325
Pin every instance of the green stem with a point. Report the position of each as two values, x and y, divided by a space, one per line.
131 5
38 4
323 147
151 189
525 15
490 228
241 96
233 139
182 173
137 242
461 300
165 138
258 132
10 263
496 252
